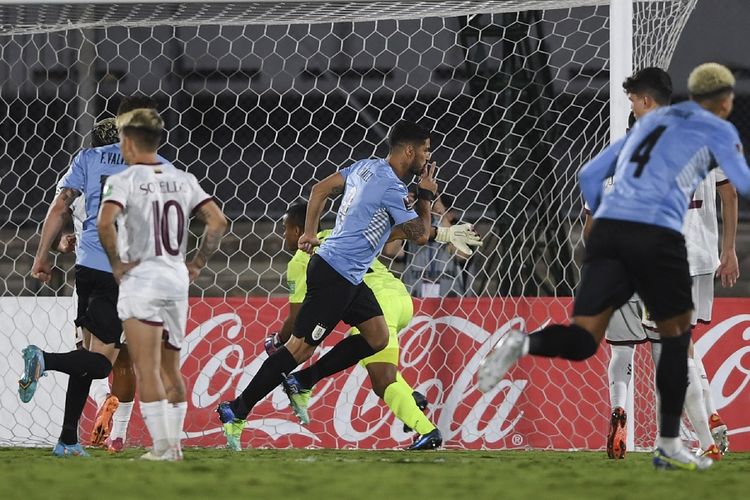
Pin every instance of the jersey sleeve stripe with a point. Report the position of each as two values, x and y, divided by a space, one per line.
721 183
195 209
116 203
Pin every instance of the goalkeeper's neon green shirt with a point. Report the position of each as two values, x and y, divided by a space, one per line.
380 280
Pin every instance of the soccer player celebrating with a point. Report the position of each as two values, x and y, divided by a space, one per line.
374 208
154 201
382 367
636 244
95 287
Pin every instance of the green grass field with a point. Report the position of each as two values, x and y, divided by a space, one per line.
287 474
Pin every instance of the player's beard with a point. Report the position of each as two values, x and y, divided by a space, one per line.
417 169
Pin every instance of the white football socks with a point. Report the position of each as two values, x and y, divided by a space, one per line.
669 445
695 408
155 416
120 420
99 391
619 373
175 419
708 399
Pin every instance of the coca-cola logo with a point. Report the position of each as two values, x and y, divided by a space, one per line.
725 346
228 361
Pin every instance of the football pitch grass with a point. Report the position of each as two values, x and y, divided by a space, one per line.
30 474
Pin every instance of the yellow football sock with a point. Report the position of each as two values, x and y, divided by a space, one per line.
399 399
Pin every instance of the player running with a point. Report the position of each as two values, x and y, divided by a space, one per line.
648 90
636 244
387 382
374 208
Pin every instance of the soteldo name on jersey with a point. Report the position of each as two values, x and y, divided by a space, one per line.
162 187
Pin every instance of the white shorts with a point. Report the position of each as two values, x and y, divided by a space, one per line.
703 300
626 325
169 313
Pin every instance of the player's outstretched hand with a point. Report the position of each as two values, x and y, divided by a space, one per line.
461 236
41 270
67 243
729 269
427 179
307 243
119 269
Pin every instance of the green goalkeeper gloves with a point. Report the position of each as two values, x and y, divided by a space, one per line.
460 236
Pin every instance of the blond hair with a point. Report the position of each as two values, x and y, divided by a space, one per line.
709 80
143 125
141 118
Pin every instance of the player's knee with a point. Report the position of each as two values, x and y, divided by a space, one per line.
99 366
581 344
378 343
380 381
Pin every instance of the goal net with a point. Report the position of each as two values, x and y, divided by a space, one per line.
261 99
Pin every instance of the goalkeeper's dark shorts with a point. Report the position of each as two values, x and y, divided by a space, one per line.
624 257
97 304
331 298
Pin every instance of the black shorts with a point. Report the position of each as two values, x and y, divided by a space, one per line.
331 298
97 304
624 257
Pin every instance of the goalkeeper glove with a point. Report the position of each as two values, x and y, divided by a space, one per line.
460 236
271 344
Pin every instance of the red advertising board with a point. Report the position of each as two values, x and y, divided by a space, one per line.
542 403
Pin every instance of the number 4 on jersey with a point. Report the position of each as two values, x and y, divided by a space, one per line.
642 153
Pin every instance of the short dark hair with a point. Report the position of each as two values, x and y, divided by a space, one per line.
652 81
406 132
296 213
129 103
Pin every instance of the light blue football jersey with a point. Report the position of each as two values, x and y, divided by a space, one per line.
661 161
87 174
374 201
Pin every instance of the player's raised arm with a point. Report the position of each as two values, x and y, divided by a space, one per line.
333 185
419 230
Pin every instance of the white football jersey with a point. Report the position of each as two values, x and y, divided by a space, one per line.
701 229
78 209
156 202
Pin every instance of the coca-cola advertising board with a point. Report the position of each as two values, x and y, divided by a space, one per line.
542 403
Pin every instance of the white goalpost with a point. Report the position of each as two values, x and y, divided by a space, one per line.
263 98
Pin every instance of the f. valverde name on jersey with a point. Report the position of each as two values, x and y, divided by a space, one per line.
659 164
374 201
88 174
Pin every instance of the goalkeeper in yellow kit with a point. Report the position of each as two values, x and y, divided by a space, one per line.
382 367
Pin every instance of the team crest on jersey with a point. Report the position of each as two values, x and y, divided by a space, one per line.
318 332
107 190
292 285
